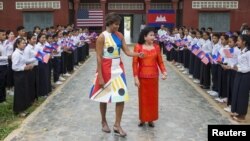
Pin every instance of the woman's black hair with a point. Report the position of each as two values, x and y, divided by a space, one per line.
39 36
8 32
36 27
112 18
30 35
225 36
234 38
144 33
216 35
48 35
17 42
246 38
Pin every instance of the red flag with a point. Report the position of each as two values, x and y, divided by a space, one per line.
228 53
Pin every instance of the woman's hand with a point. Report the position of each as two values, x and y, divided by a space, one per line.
141 55
235 68
225 67
137 82
101 81
164 76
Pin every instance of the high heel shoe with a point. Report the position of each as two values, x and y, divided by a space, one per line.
105 128
119 131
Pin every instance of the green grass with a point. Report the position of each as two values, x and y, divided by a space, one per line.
8 120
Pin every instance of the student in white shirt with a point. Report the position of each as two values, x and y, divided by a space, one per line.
9 43
160 33
240 95
44 79
21 70
214 66
222 74
197 61
205 80
3 66
194 40
29 54
231 62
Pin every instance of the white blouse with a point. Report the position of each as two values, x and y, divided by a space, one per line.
18 60
244 61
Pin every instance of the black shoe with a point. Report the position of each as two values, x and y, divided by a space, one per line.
141 124
151 124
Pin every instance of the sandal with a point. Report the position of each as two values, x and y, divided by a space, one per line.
105 128
119 131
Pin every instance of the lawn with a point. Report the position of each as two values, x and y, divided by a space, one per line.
8 120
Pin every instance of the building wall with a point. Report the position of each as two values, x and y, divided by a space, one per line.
11 17
237 16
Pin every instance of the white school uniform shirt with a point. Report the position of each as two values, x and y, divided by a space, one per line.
234 60
39 47
59 49
207 46
3 54
200 42
161 32
29 55
9 47
18 60
216 49
221 51
194 41
244 61
188 37
75 40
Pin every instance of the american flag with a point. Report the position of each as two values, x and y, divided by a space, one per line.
229 52
89 18
205 60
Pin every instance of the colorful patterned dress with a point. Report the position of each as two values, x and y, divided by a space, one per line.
115 88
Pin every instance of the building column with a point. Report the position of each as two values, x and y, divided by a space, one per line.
147 7
76 7
103 8
175 7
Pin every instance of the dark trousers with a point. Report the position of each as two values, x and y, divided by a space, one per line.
230 85
186 54
197 68
205 75
191 63
10 75
3 79
56 68
214 69
240 96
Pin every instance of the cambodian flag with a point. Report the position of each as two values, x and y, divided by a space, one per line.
48 48
42 57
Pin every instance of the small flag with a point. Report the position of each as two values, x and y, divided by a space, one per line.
169 46
201 54
42 57
48 48
229 52
205 60
178 43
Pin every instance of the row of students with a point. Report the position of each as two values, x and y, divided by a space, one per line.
32 78
223 79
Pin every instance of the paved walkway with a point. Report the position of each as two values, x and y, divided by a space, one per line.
69 115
